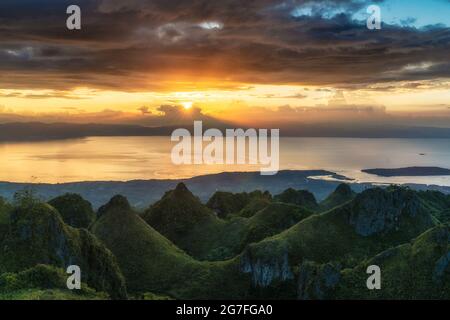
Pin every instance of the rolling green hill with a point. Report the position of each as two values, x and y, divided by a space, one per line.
341 195
419 269
74 210
253 206
177 213
301 198
262 248
151 263
184 220
37 235
273 219
227 203
416 270
375 220
43 282
437 203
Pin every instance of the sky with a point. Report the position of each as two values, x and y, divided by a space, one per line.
253 62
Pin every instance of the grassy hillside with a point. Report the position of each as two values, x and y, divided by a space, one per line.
177 213
272 220
341 195
376 220
301 198
416 270
253 206
227 203
74 210
262 248
437 203
151 263
43 282
184 220
37 235
5 211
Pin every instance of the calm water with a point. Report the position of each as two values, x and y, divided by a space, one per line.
128 158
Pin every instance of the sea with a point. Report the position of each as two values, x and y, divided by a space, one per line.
144 158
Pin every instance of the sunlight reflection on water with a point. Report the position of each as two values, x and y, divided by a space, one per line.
130 158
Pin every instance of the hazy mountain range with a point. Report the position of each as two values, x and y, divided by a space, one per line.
38 131
141 193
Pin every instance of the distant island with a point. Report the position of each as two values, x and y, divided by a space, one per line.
409 172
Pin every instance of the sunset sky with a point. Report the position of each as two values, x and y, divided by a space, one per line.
255 62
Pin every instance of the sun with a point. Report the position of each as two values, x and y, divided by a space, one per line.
187 105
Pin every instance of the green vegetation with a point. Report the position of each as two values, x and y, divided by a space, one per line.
177 213
375 220
341 195
151 263
253 206
37 235
301 198
48 294
184 220
5 210
437 204
273 219
416 270
239 246
74 210
43 282
226 203
152 296
444 215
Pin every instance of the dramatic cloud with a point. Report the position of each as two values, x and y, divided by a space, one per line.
292 120
156 44
144 110
167 116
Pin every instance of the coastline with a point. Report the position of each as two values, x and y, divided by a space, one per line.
141 193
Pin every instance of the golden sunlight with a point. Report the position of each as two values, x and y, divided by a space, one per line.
187 105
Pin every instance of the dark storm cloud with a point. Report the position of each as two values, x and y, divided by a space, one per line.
142 44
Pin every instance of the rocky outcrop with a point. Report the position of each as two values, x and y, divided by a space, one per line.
317 281
442 266
379 210
38 235
265 270
418 269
